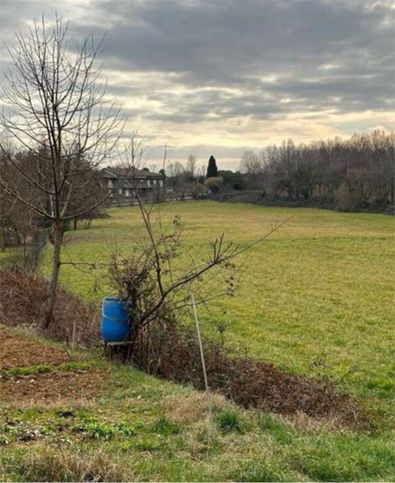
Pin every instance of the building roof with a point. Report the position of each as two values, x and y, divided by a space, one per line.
120 172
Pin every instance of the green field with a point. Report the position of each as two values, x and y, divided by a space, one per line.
316 298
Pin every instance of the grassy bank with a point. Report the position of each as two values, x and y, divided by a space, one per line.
128 426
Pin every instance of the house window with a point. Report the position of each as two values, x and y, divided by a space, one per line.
120 191
109 184
161 182
148 183
127 193
154 182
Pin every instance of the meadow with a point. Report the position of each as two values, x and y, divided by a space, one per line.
315 298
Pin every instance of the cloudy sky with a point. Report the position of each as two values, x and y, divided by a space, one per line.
223 76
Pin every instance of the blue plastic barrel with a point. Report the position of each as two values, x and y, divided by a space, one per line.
115 320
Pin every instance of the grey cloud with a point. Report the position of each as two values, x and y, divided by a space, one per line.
231 43
223 50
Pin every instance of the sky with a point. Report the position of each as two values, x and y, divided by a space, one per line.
224 76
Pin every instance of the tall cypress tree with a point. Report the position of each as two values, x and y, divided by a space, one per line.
212 170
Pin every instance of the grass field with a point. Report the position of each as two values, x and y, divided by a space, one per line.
315 298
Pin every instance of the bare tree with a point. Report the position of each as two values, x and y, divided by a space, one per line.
59 112
190 168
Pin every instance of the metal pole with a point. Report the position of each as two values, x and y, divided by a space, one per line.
202 359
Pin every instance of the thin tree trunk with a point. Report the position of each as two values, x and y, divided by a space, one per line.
2 239
57 244
2 221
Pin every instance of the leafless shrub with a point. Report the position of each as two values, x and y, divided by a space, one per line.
22 302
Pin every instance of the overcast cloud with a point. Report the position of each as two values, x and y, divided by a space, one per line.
218 76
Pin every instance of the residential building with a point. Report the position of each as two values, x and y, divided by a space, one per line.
123 183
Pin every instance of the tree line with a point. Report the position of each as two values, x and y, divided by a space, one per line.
344 174
352 174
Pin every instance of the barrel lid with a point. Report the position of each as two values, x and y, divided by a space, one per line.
112 299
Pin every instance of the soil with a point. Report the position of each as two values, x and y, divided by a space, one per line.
54 386
19 351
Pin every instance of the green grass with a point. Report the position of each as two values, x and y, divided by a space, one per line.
10 256
142 428
315 298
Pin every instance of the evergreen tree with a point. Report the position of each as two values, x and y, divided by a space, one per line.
212 170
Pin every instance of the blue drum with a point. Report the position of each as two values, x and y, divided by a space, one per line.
115 320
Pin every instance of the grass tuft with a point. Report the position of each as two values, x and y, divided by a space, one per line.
228 421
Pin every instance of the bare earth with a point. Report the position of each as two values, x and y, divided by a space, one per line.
19 351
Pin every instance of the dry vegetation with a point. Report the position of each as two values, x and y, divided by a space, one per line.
23 299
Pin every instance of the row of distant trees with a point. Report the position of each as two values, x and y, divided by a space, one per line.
21 221
352 174
348 175
185 179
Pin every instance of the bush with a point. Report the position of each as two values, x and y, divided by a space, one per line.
347 198
200 192
23 299
213 184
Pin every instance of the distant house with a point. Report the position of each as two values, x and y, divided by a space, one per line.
122 184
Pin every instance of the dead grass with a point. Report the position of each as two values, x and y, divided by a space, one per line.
56 464
193 407
302 422
23 299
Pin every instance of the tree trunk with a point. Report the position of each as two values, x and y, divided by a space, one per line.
57 244
2 239
2 221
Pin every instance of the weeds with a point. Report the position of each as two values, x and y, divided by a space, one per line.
165 427
91 428
229 421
